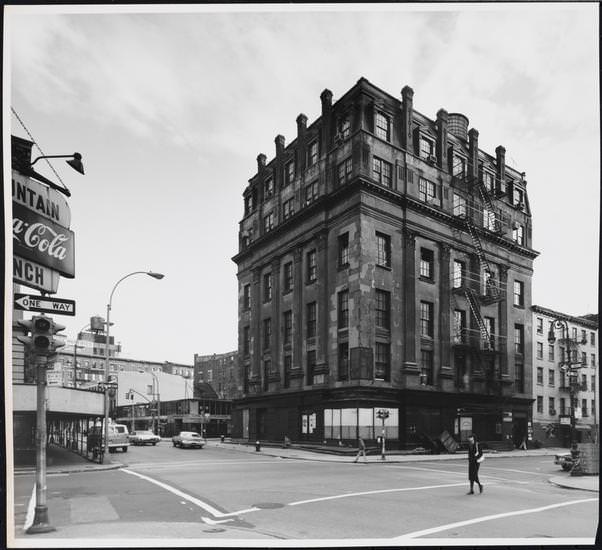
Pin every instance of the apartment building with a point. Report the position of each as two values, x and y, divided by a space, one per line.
564 377
384 269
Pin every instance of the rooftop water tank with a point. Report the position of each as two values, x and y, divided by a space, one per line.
457 124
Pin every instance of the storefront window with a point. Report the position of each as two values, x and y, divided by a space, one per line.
348 423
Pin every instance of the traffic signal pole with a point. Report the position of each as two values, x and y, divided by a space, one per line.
40 522
41 341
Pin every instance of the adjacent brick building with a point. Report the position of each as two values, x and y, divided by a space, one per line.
385 262
220 371
555 389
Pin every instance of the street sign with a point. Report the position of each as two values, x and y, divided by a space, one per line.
34 275
565 420
44 304
54 377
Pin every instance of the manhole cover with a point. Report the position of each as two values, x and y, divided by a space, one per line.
266 505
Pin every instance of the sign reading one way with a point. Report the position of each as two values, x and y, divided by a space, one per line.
43 304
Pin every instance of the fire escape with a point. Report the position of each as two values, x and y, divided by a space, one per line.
482 344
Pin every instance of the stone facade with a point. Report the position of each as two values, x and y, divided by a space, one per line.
349 243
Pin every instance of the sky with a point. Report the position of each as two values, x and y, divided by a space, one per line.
170 107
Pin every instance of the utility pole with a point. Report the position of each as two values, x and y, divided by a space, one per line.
40 523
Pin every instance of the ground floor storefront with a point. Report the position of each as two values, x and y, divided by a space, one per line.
70 415
413 418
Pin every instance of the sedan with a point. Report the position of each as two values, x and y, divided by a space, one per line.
188 439
144 437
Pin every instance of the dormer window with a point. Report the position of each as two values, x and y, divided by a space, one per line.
382 126
458 166
488 181
289 172
268 188
427 148
312 154
344 127
518 198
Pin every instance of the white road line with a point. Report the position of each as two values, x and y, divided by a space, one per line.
198 463
460 474
440 528
518 471
348 495
207 507
30 510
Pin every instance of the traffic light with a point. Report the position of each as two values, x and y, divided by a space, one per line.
43 339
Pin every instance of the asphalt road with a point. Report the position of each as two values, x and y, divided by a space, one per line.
218 492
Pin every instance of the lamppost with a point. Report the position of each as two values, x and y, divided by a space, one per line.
383 414
106 400
567 366
157 400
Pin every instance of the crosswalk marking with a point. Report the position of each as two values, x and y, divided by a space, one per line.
425 532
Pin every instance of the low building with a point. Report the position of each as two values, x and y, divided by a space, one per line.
555 392
211 416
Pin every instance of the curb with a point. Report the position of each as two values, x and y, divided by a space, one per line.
98 468
565 485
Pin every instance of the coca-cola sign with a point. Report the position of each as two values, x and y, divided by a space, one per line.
38 239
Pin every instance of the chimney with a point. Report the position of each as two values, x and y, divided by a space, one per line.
326 97
301 125
407 100
279 141
500 167
261 158
473 153
442 117
301 129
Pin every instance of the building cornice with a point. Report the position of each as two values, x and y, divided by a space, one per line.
564 316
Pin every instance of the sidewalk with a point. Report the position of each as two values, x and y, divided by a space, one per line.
390 456
62 461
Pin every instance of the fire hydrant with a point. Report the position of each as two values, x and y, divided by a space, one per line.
257 446
223 438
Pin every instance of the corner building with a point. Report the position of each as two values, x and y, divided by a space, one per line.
385 262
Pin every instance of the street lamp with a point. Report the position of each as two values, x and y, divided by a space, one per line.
108 324
75 163
383 414
156 399
566 366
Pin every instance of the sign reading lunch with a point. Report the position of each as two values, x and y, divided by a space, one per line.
38 239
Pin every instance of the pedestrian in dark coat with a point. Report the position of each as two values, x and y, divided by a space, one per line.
474 456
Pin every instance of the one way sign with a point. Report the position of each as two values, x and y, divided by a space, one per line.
44 304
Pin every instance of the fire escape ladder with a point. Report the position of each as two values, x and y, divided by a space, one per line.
485 195
476 241
475 310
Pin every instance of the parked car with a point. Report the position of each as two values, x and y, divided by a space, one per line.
144 437
565 461
118 437
188 439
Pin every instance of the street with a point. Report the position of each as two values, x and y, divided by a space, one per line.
220 492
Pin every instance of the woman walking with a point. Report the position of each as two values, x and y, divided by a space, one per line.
475 457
